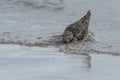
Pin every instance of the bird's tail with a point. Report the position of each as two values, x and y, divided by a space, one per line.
88 15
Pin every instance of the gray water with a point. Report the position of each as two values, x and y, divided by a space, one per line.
26 20
35 22
35 63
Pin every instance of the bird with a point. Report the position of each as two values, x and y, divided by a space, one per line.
78 30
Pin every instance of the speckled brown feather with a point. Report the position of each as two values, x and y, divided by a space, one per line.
78 30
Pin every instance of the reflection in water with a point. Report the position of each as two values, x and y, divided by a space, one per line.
85 60
46 64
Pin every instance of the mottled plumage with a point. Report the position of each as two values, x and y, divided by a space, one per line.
81 29
77 30
68 34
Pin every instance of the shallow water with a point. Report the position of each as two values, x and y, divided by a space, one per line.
27 20
31 22
35 63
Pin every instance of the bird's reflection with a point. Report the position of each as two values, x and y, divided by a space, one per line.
87 61
84 59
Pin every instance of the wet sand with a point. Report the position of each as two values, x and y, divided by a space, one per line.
35 63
